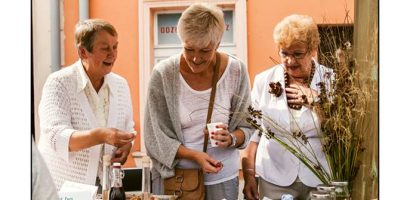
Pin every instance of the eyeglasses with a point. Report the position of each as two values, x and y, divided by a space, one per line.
296 55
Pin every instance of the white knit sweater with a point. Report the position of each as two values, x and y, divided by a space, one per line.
63 109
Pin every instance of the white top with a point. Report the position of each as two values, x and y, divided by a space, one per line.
193 107
99 103
64 109
273 162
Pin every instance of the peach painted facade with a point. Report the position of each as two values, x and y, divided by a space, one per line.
261 16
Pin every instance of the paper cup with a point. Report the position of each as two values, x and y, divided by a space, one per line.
212 128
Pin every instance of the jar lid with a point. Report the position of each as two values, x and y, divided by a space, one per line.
319 194
116 165
339 183
327 188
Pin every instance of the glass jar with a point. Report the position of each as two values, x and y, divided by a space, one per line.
328 189
341 190
319 195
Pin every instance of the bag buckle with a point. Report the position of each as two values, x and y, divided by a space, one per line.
178 193
179 179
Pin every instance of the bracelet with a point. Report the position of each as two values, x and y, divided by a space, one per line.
250 171
233 139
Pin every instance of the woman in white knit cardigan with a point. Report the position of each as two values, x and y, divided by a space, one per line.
85 110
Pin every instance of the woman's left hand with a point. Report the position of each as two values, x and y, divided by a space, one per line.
121 154
299 94
222 135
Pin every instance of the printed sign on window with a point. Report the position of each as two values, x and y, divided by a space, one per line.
167 28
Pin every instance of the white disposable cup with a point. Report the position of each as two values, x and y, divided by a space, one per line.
212 128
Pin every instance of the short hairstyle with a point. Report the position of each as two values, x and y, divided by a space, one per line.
201 24
86 30
297 28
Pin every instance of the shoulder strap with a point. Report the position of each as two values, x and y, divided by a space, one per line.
212 98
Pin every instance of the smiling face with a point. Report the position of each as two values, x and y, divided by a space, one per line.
297 59
198 59
100 60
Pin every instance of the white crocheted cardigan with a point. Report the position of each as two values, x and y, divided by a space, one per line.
64 109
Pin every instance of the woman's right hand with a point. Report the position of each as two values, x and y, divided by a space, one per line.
114 136
208 164
250 189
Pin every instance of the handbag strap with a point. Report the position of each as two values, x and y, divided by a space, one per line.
212 98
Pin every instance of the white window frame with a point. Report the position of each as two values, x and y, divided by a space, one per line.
147 9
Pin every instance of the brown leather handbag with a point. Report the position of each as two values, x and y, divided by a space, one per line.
189 183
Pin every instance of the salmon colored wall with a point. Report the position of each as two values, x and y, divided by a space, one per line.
263 15
124 17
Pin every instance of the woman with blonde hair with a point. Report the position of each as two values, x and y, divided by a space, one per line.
291 108
177 105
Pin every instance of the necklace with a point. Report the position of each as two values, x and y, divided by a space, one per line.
306 81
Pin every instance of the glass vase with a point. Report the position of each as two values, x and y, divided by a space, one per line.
341 190
330 189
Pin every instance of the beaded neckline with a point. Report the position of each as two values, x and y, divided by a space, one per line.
307 81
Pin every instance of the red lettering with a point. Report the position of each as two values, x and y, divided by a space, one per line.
168 29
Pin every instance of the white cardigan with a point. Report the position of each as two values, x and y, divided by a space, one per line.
64 109
273 162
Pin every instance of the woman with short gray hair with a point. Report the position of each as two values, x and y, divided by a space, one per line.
85 109
177 105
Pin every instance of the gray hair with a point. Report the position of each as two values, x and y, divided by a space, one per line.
86 30
201 24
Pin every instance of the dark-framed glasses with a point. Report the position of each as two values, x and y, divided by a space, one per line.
296 55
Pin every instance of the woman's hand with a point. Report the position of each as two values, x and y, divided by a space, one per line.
208 164
222 135
121 154
80 140
250 189
300 94
115 137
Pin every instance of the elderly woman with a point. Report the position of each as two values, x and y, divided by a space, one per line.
280 172
177 105
85 110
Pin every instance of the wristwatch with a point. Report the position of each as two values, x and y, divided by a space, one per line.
233 138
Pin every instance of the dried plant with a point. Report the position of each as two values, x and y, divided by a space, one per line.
344 117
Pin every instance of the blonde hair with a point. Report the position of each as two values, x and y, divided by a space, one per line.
86 30
297 28
201 24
